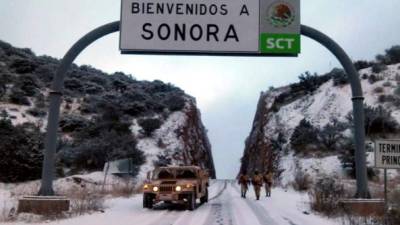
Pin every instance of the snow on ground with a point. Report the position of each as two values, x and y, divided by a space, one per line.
314 167
225 207
9 193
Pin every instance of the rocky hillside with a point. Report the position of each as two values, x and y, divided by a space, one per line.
306 127
103 117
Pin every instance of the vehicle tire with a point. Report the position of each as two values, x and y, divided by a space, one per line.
204 199
147 201
191 204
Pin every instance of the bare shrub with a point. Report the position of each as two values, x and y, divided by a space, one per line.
349 219
397 76
364 76
85 200
325 195
120 189
394 208
302 181
387 84
397 91
378 90
7 211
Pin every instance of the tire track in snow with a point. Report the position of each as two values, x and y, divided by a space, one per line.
219 193
154 218
261 214
289 221
221 209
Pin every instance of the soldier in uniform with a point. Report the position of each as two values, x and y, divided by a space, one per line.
244 183
257 181
268 177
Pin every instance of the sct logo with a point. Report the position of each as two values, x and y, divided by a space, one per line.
280 43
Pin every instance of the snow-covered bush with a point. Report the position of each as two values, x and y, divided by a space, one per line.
378 90
397 91
393 54
36 112
362 64
387 84
22 65
175 103
325 195
378 67
149 125
302 180
378 121
374 78
303 139
71 123
331 135
339 77
17 96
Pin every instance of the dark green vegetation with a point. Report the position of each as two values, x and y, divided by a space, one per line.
98 110
21 151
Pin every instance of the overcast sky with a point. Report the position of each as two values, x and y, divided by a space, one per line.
226 88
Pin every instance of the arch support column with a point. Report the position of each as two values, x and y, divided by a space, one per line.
358 106
48 169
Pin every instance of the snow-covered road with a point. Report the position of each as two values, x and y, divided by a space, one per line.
225 207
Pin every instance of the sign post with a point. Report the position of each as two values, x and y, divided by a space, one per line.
225 27
387 156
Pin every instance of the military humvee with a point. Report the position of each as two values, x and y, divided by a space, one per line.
178 184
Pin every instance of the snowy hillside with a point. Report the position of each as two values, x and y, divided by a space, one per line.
277 119
103 117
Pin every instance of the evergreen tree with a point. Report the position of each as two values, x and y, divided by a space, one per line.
304 137
331 134
21 147
378 121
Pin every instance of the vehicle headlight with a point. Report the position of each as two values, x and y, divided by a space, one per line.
178 188
188 185
145 186
155 189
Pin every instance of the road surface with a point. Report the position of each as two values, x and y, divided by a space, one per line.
225 207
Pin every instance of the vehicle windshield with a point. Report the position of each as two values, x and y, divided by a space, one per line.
175 174
185 174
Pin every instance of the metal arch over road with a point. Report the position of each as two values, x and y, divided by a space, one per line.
48 169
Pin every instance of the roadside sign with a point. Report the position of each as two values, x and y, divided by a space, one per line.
121 166
387 154
232 27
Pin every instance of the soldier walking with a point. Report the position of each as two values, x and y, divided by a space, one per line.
268 177
257 181
244 184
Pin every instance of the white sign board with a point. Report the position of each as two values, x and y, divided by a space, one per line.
387 154
206 26
122 166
